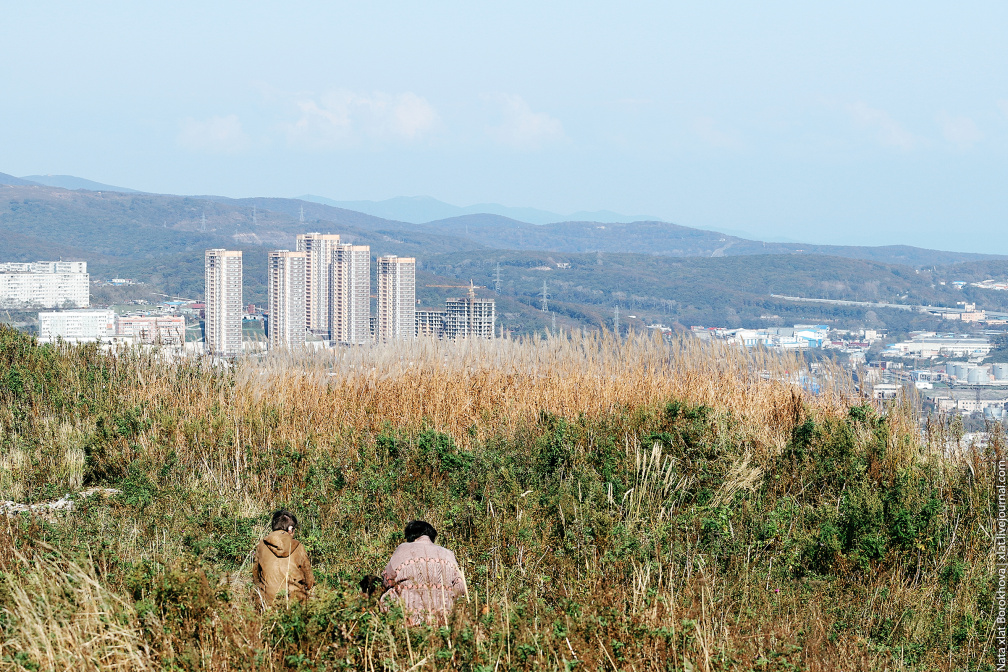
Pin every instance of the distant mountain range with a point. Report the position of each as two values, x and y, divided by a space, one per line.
421 209
664 239
422 218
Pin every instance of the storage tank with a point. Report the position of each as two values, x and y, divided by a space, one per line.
949 368
1001 372
961 370
977 375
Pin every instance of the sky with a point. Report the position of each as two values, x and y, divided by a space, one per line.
858 123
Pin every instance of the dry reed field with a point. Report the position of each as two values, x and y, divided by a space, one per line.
615 505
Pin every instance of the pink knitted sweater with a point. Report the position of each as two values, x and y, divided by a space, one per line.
425 579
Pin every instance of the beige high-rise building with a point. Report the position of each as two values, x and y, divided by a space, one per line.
318 249
350 294
286 299
223 272
396 299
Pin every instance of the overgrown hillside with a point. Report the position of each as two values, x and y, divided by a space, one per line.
613 505
728 291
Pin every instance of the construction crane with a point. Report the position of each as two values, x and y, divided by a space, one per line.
471 287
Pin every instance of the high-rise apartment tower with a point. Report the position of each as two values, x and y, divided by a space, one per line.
318 249
223 272
350 294
286 299
469 317
396 298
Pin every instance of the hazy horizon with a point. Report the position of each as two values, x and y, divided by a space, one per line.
859 125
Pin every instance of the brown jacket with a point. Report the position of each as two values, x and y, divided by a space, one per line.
424 579
281 564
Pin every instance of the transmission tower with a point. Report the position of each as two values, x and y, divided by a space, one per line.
253 214
545 298
203 229
302 214
497 281
554 325
616 320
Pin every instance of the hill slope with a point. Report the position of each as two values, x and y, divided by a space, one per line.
10 180
663 238
71 182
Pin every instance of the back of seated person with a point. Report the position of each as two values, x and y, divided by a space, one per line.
422 577
281 563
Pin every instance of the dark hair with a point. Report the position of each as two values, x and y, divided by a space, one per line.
419 528
284 520
370 585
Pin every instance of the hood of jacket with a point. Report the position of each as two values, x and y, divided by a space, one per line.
280 543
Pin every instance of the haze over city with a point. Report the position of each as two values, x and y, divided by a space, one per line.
856 125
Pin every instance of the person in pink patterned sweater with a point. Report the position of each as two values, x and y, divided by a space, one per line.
422 577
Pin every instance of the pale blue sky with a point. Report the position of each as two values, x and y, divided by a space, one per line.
866 123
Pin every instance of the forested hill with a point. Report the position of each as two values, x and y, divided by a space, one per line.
660 271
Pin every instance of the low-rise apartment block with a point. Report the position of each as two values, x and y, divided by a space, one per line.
77 325
153 329
44 284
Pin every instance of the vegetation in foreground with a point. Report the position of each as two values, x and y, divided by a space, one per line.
614 506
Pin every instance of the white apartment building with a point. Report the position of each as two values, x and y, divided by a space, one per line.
223 272
153 329
318 249
350 294
469 317
44 284
77 325
286 299
396 299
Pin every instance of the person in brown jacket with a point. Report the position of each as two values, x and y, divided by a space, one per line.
281 563
422 577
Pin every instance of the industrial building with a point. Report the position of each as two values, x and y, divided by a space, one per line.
286 296
318 249
930 344
969 374
396 299
44 284
350 294
77 325
223 274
